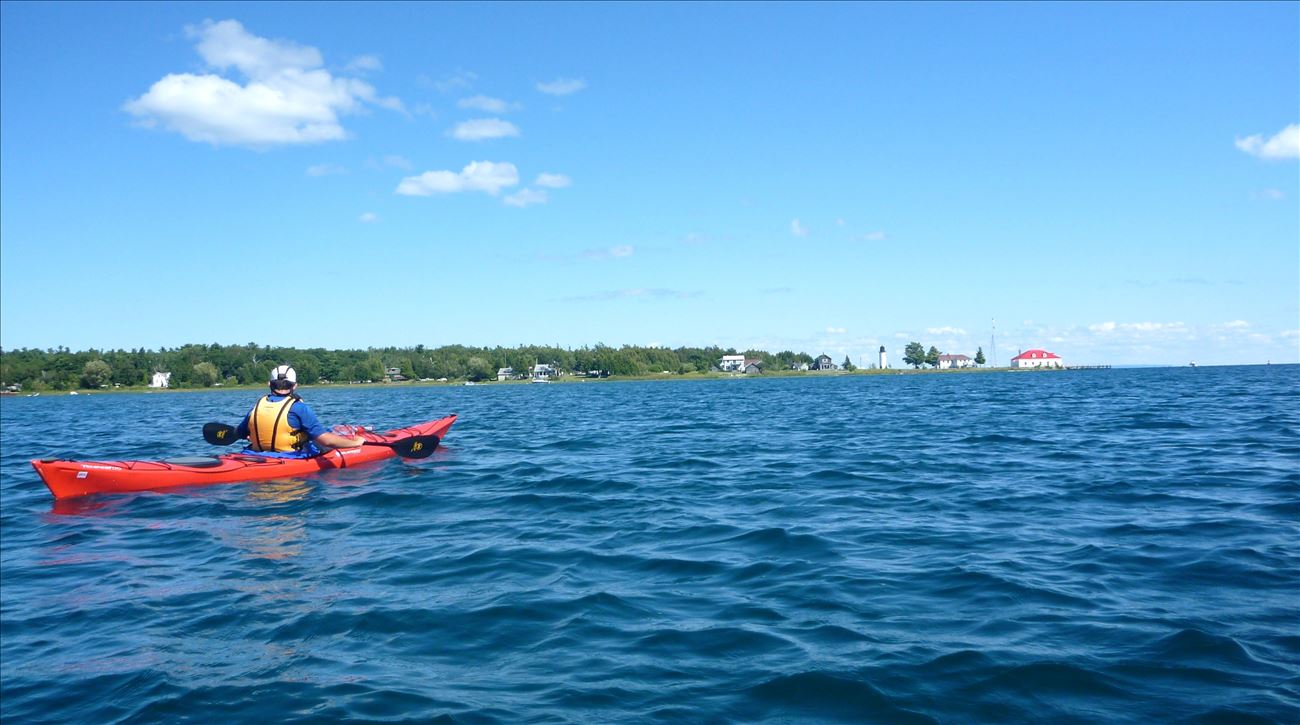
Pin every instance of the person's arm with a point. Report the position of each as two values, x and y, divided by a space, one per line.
324 437
334 440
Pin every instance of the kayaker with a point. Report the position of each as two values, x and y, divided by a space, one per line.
282 426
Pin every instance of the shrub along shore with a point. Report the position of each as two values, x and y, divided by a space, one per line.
247 366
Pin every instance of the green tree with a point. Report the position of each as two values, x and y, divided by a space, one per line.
479 369
914 354
206 374
932 357
848 364
96 373
979 356
308 368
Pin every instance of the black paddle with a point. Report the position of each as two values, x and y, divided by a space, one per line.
220 434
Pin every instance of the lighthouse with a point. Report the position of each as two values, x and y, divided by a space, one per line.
883 364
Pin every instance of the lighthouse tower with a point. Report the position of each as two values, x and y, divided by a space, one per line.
883 364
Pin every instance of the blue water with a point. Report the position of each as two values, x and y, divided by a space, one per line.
1091 546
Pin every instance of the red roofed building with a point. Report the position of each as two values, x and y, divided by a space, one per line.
1037 359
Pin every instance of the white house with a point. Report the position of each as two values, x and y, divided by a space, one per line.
542 371
955 361
160 380
731 363
505 374
824 362
1037 359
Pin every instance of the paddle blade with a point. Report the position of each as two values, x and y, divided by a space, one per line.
219 434
417 447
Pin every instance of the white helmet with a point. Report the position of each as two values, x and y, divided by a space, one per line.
284 372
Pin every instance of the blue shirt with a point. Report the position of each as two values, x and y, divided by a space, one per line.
301 417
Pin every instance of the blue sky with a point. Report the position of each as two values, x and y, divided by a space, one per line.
1117 183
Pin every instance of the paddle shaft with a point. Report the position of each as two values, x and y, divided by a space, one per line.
220 434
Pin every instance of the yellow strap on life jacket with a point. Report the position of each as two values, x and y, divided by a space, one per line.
268 427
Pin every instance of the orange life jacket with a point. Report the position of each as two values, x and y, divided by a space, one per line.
268 426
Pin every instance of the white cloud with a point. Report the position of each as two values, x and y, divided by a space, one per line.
622 250
325 170
226 44
1285 144
482 129
425 109
400 162
553 181
392 103
287 97
840 222
945 331
562 86
798 229
526 197
488 104
1137 327
456 80
1152 326
836 330
1271 195
365 64
486 176
877 236
634 293
368 218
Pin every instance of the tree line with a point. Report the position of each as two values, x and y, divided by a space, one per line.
196 365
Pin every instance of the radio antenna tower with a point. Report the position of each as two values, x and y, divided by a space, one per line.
993 342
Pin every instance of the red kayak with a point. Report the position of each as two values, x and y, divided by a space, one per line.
79 478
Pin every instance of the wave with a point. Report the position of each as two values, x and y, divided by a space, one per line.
825 696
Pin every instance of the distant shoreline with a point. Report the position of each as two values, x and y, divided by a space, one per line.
564 380
660 377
